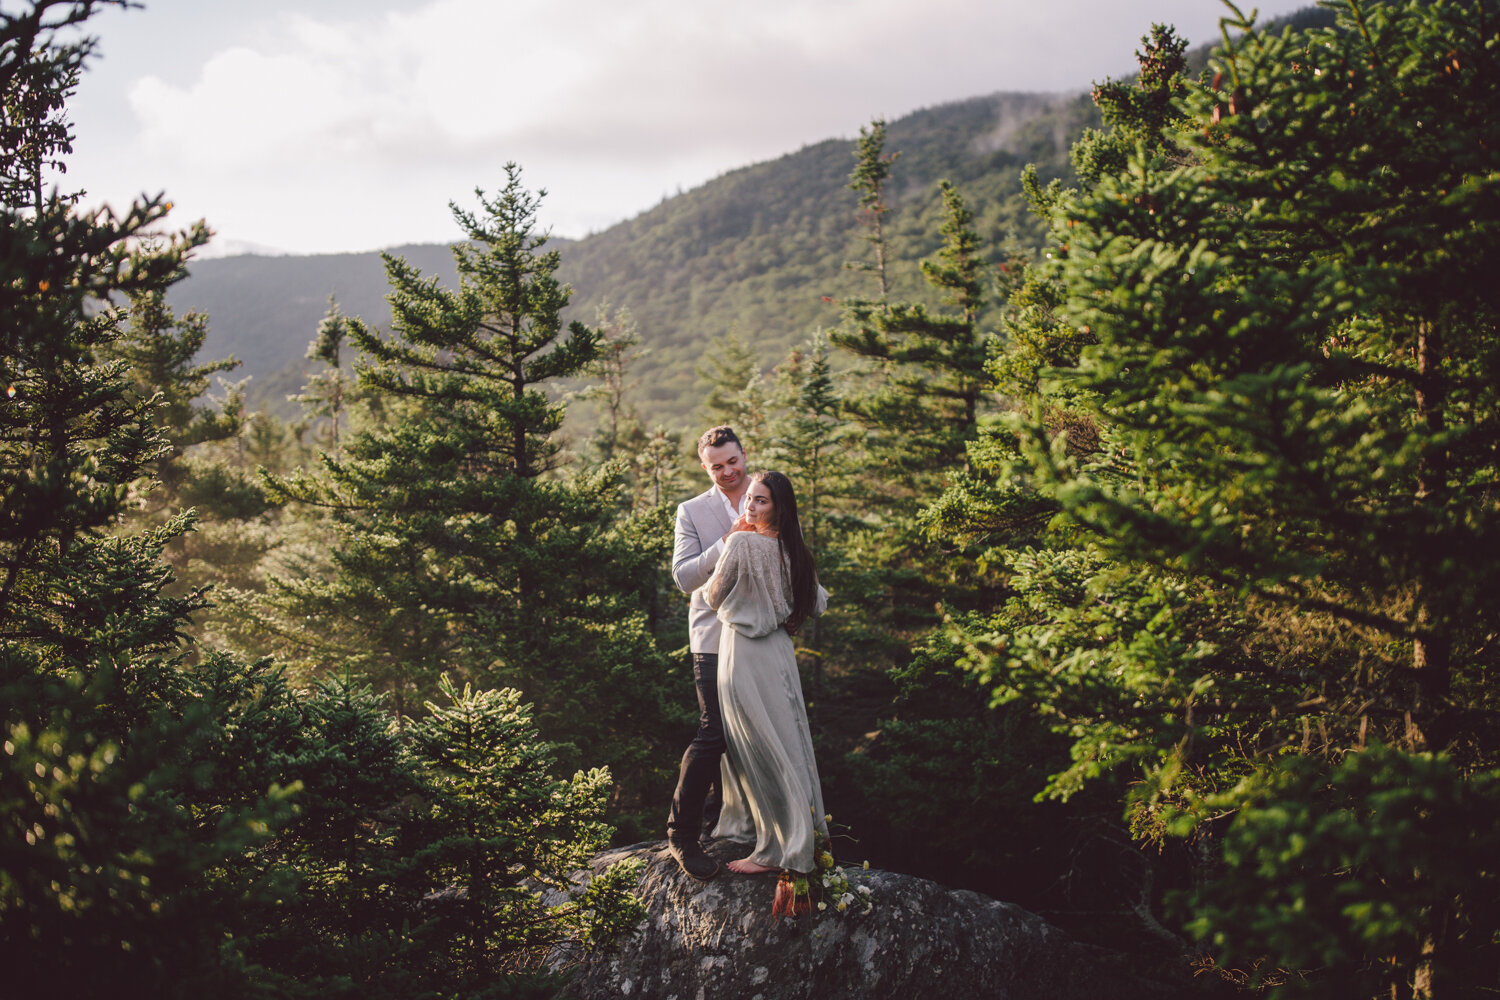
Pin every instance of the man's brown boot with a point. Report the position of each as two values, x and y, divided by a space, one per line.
693 861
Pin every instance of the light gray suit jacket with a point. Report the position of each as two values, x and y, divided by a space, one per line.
697 542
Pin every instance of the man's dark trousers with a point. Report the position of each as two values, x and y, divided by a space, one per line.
700 795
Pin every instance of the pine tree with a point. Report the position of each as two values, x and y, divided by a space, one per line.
733 390
113 847
812 443
462 545
661 469
160 350
37 77
1281 531
1271 417
173 822
499 828
619 338
871 172
328 392
931 365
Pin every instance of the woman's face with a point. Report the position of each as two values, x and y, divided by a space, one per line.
758 507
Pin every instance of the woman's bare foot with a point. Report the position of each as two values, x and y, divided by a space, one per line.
747 867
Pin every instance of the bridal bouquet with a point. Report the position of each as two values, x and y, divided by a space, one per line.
794 890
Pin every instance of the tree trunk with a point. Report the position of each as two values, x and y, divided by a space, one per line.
1431 646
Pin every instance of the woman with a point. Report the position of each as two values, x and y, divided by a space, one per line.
764 587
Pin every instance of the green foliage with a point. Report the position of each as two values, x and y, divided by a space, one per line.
111 822
812 441
1137 668
1246 503
420 856
734 392
1207 526
329 392
1356 875
175 822
159 349
662 472
871 171
613 383
38 73
457 544
1135 115
1323 446
504 832
927 368
122 832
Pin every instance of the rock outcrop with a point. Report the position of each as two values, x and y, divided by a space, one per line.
718 941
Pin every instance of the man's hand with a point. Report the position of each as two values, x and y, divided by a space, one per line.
741 523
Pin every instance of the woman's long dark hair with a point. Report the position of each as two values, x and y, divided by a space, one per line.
789 533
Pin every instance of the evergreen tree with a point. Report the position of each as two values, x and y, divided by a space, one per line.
871 172
925 379
932 376
1280 530
811 440
500 829
618 340
660 469
734 392
108 830
1136 115
461 545
149 841
405 869
37 75
328 392
160 351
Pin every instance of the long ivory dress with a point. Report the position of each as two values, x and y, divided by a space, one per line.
771 789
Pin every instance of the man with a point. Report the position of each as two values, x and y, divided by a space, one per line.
703 524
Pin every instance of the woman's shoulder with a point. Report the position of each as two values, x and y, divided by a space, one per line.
749 538
749 541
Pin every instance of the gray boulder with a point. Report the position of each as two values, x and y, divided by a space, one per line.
718 941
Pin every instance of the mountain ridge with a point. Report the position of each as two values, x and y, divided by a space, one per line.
759 248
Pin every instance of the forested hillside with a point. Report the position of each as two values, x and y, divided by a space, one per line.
759 250
264 310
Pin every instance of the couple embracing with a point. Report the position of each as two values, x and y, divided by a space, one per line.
749 773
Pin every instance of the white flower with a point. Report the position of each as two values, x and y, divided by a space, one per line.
822 905
864 889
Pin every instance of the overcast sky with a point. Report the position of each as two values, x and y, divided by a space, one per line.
335 125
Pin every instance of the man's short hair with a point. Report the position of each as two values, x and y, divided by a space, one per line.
715 436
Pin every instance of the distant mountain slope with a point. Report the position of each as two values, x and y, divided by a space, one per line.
756 249
761 247
265 310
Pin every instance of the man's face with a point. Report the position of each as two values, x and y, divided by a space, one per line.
725 464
